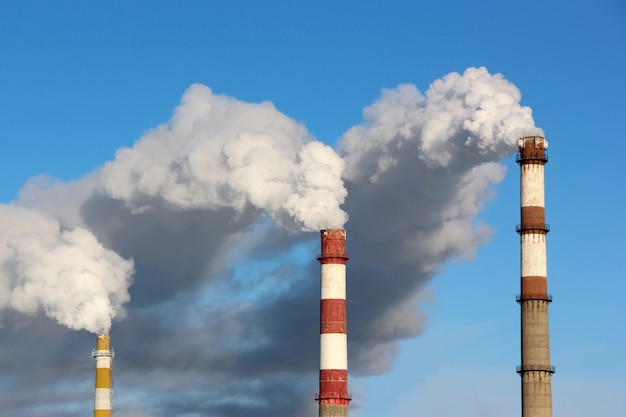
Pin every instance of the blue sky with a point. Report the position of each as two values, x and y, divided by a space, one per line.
78 81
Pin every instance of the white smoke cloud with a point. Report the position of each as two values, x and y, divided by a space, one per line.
67 274
474 115
219 152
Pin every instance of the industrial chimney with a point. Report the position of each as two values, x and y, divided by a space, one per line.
333 397
103 403
535 370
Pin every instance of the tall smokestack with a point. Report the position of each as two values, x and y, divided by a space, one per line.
535 370
333 397
103 404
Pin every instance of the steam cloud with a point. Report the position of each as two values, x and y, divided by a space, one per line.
225 296
219 152
66 273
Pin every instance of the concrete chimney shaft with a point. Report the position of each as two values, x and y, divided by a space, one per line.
535 370
333 397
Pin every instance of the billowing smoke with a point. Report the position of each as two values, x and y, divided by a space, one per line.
223 318
67 274
218 152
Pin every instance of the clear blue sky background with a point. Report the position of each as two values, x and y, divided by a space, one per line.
80 79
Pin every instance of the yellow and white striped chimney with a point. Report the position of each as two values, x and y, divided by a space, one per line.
103 403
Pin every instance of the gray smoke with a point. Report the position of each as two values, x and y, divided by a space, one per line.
223 318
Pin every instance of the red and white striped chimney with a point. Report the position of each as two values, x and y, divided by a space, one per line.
535 370
333 397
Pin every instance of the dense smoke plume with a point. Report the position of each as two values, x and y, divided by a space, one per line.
418 171
67 274
223 318
218 152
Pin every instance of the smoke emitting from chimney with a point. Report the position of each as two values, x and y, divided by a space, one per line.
226 184
219 152
67 273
